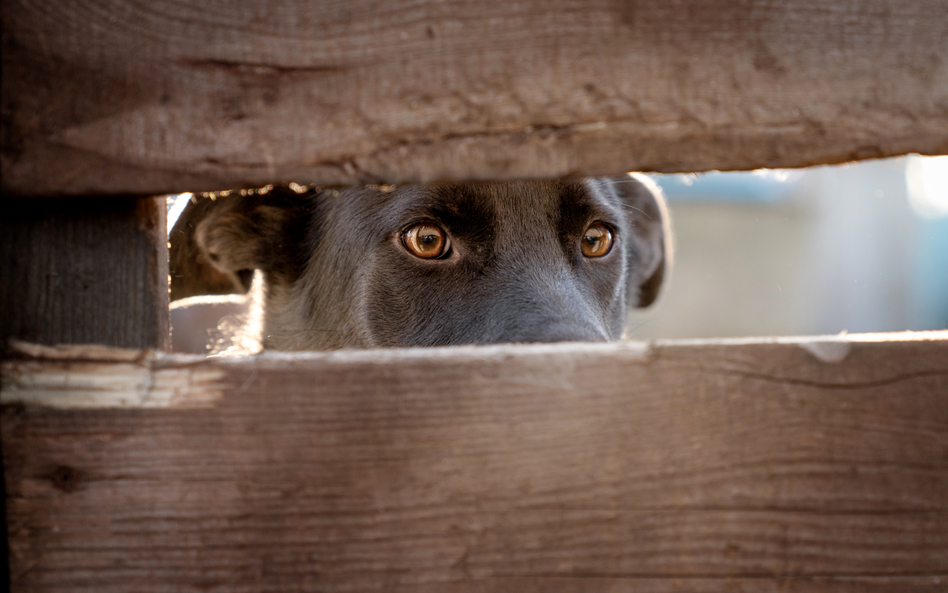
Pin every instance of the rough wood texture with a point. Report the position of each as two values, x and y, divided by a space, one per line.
775 466
162 96
82 272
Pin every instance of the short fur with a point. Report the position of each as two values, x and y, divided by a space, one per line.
338 276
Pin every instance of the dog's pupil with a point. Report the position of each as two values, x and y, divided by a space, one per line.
428 239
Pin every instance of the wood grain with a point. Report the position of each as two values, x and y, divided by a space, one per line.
106 96
84 272
743 466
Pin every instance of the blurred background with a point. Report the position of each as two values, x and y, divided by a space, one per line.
859 248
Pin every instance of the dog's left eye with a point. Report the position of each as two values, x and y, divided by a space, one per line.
597 240
426 240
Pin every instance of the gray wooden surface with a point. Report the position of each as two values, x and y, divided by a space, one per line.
84 271
167 96
795 466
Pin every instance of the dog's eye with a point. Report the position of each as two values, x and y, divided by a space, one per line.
425 240
597 240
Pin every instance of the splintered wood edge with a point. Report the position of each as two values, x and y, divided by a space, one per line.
73 385
90 352
92 376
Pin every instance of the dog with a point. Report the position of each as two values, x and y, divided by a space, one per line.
430 265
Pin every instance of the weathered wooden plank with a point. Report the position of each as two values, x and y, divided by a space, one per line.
89 271
111 97
783 465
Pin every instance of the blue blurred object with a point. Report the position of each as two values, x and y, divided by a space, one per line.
930 305
926 180
764 186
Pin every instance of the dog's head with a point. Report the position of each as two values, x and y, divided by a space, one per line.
474 263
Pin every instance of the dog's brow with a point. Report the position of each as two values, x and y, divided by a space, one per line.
460 208
579 206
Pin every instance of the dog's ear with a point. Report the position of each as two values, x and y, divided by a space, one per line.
650 250
218 242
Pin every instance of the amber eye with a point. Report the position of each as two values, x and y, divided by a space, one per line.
597 240
425 240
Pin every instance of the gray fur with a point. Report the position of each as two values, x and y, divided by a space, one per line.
338 276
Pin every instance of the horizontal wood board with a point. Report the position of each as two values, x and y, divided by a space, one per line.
745 466
106 96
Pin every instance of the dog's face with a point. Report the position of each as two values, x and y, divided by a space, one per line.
475 263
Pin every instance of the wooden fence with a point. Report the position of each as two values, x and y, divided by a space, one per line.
811 464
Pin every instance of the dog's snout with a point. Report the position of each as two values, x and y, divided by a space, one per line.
549 308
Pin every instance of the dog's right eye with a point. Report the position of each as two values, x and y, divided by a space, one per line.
425 240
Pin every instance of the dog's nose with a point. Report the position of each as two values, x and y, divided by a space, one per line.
550 311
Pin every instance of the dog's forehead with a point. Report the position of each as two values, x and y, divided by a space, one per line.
498 201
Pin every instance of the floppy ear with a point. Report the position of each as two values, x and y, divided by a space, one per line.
649 254
218 242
